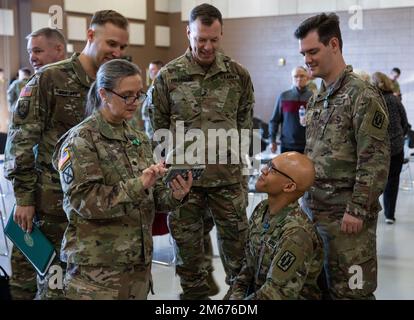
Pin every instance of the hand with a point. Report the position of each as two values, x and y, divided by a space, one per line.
302 121
350 224
273 147
150 175
181 187
23 216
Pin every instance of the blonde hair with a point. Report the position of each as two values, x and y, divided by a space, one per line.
382 82
363 75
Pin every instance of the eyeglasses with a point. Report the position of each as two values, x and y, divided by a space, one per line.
270 166
129 100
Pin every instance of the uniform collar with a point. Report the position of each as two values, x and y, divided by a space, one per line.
277 219
217 66
280 216
107 130
324 92
79 71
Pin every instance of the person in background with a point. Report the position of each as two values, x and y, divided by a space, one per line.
153 69
4 113
363 75
111 188
397 130
14 89
394 76
284 254
347 140
286 114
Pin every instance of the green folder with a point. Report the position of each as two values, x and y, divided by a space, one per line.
35 246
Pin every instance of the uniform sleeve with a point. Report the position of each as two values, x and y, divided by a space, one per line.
289 269
160 118
275 120
82 182
246 104
373 154
28 121
12 94
244 279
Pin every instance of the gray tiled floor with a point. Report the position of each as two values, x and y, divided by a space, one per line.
395 253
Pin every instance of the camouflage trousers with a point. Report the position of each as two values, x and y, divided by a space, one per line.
50 286
350 259
127 282
23 280
190 227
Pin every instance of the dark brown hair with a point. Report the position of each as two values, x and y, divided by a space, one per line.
207 14
327 27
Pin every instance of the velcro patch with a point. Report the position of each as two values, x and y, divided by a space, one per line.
65 157
26 91
23 107
67 93
378 120
286 261
68 175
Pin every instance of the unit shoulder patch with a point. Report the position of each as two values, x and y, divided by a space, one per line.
286 261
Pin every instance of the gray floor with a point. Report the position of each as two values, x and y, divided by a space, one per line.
395 254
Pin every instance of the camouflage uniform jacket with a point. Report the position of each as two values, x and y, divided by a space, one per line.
347 139
52 102
110 213
220 98
284 256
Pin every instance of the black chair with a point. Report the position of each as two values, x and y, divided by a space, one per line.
3 138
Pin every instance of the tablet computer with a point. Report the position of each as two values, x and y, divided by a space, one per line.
182 170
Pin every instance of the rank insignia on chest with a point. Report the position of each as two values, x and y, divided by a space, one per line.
65 157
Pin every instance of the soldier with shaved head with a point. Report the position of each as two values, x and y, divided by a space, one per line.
284 254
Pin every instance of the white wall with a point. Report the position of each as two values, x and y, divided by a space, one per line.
261 8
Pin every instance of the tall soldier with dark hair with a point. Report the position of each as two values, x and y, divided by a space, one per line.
346 138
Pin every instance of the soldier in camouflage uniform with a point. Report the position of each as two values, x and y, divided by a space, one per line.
52 102
346 138
110 192
284 254
204 89
44 46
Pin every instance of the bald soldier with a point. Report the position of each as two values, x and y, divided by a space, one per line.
284 254
44 46
51 103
